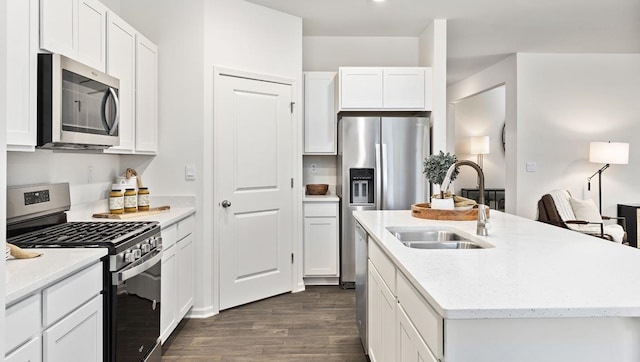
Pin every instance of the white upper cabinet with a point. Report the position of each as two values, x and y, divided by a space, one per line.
360 88
320 113
21 86
121 63
146 96
76 29
390 88
405 88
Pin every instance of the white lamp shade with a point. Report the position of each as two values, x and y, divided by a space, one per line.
479 145
609 152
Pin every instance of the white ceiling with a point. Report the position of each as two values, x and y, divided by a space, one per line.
480 32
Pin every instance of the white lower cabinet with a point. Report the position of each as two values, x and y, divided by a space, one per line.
168 290
401 325
61 322
409 345
321 242
77 337
177 290
381 317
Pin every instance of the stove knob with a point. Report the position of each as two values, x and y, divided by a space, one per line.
128 257
146 247
137 253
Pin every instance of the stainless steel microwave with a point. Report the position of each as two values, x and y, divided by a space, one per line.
78 106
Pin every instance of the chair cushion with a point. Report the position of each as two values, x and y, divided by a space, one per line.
585 210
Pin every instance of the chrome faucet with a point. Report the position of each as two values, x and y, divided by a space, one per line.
483 222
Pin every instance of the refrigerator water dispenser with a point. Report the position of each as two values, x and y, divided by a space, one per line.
362 186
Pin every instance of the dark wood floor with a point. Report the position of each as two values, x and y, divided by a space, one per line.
315 325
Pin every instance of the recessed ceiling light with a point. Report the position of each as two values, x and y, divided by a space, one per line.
378 1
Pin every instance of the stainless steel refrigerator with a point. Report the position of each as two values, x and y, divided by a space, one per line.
380 162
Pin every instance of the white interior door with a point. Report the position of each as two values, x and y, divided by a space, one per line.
254 193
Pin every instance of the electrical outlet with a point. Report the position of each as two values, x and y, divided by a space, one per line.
314 168
90 174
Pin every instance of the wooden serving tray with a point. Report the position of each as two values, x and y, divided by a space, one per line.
424 211
129 215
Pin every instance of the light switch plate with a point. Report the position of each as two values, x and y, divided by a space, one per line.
190 172
532 166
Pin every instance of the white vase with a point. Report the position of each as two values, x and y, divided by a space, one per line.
442 204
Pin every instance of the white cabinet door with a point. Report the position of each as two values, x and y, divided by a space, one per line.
186 261
29 352
320 126
146 96
320 246
168 288
92 33
361 88
76 29
121 55
21 86
409 346
404 88
78 336
58 26
381 318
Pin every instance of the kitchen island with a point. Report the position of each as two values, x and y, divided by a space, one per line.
541 293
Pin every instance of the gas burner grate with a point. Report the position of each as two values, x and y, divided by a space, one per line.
83 233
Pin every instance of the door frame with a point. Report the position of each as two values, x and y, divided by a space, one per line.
297 283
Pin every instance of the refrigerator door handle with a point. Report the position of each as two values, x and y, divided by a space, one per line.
385 177
378 179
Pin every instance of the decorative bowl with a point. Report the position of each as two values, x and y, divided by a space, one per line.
317 189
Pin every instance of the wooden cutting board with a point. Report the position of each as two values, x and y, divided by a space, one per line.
129 215
424 211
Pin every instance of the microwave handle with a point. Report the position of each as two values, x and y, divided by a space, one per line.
116 119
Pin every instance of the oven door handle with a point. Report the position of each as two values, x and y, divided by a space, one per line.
131 272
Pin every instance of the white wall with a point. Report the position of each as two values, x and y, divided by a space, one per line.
501 73
566 101
433 53
327 53
481 115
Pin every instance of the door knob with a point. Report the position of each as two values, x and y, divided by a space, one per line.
225 203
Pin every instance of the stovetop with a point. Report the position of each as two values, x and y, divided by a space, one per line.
86 234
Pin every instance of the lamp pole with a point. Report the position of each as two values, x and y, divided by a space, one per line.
599 173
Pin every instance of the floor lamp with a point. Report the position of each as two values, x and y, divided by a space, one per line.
607 153
479 146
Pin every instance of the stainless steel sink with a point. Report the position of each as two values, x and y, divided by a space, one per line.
442 245
426 235
435 238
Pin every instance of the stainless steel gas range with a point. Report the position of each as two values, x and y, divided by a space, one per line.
36 218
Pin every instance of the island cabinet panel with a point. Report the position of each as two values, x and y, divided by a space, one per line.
410 347
381 318
542 339
383 265
427 322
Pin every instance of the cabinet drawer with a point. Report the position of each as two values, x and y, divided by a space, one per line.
428 323
169 236
22 321
320 209
383 264
31 352
185 227
67 295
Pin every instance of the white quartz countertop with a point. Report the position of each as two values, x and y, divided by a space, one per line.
535 270
26 276
320 198
179 209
